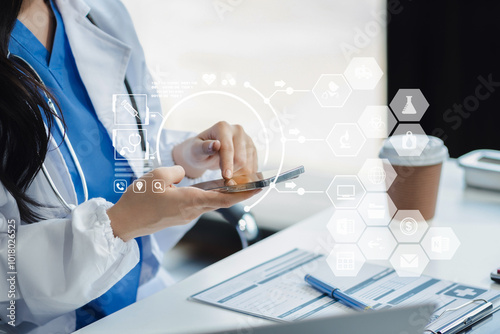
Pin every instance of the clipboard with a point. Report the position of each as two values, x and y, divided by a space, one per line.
483 309
486 325
275 290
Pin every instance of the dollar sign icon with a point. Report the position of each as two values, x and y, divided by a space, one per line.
408 226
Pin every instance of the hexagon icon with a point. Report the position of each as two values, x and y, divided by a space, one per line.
409 260
363 73
346 139
346 226
377 243
345 191
345 260
409 105
377 209
377 174
377 121
331 90
440 243
408 226
409 140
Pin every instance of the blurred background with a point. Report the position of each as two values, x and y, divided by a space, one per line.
234 60
445 48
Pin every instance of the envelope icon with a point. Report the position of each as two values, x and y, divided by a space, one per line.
408 260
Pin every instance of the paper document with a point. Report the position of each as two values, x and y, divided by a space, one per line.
276 290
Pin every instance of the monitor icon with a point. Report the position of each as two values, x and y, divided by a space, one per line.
346 192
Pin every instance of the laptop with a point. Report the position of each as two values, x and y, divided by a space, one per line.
397 320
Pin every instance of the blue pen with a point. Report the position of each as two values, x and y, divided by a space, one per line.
336 294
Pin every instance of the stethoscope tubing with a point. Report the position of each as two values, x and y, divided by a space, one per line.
60 126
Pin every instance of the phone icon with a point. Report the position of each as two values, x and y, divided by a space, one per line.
120 186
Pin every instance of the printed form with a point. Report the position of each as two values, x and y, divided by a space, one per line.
276 290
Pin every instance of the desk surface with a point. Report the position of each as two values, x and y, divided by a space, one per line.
474 215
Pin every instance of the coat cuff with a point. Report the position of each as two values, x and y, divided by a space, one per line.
114 244
102 237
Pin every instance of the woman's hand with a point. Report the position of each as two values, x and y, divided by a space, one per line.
222 146
138 214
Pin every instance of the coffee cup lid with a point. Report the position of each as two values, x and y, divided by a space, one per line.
433 153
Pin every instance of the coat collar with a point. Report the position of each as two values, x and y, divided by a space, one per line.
101 59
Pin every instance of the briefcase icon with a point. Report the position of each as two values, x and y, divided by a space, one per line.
408 260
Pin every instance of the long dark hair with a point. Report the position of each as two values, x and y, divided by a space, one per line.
23 136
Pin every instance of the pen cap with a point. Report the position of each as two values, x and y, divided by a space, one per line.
417 182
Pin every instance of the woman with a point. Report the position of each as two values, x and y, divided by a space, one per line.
79 256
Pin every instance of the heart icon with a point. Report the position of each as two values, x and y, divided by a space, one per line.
209 78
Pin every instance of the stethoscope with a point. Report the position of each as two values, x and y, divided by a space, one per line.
69 207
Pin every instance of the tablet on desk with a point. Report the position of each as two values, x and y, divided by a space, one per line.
250 182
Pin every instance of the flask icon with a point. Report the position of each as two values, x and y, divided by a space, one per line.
409 109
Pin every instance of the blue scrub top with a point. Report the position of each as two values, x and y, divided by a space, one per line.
89 138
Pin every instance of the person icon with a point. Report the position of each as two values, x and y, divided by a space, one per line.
332 91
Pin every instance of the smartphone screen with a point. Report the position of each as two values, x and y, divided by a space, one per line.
249 182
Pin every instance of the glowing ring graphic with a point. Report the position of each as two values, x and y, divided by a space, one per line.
283 141
215 92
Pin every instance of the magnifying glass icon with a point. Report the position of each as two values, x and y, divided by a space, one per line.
159 186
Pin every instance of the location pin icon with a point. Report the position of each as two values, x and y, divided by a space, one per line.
139 185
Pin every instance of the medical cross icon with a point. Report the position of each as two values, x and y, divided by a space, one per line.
465 292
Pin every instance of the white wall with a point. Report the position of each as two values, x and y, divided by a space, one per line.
260 41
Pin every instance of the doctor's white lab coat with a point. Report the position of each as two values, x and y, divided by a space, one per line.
72 258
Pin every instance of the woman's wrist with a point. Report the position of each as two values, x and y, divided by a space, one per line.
118 224
179 159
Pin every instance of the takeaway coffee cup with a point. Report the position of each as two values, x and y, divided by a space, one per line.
417 181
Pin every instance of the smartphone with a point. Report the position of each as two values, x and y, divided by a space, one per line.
250 182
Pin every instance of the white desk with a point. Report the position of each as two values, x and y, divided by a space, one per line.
474 215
